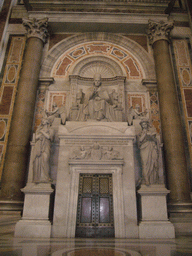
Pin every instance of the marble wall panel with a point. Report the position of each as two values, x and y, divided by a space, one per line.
39 108
137 98
8 90
188 101
56 97
149 103
6 100
154 111
190 130
56 38
67 61
184 72
3 127
140 39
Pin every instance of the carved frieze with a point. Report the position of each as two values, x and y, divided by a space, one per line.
95 152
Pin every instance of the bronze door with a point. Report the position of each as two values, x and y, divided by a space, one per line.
95 206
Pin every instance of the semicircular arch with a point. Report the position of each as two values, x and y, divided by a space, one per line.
137 52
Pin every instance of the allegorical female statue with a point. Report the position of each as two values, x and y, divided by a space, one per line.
149 151
42 149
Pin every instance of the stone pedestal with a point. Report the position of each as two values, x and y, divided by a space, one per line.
154 223
35 221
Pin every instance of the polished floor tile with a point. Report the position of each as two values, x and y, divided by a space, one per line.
10 246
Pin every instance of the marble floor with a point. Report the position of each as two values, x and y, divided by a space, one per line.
11 246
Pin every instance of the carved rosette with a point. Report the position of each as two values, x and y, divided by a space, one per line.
159 31
37 28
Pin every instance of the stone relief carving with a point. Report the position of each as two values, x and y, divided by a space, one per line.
37 28
80 153
95 152
135 113
111 154
159 30
149 151
41 152
96 104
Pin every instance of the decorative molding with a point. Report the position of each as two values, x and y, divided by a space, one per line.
150 84
159 31
37 28
45 82
95 162
116 78
112 6
122 142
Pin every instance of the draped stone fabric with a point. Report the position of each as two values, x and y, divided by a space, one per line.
42 149
149 151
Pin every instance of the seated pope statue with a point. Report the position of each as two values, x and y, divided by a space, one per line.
96 100
96 103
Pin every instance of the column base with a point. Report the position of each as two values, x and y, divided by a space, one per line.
33 228
180 207
8 205
156 229
181 217
59 231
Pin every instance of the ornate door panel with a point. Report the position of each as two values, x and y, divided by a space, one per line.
95 206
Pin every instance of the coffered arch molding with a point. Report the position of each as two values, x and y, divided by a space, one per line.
134 48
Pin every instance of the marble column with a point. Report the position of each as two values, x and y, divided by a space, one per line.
16 161
175 160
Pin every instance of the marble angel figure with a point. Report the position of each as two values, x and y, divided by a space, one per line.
58 112
135 113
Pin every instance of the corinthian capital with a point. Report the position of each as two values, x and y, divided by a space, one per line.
159 30
37 28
